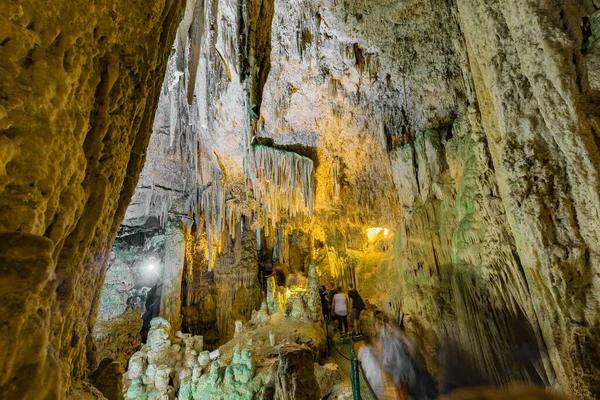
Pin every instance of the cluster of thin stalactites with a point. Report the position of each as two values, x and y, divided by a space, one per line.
282 182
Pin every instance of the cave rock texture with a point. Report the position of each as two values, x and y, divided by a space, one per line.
80 85
442 155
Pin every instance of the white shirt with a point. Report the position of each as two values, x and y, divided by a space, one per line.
340 303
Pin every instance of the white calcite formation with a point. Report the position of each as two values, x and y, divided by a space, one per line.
275 296
305 304
299 302
260 317
282 182
169 368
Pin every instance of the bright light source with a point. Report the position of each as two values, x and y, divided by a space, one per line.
373 233
151 265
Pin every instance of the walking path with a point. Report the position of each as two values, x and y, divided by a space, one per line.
341 348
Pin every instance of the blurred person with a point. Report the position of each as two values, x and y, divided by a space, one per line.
279 276
298 278
324 302
332 292
399 360
379 380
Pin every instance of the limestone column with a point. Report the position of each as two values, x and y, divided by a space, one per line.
174 257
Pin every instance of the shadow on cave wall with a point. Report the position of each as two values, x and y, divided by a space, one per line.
491 345
152 309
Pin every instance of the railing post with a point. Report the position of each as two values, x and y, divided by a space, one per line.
355 375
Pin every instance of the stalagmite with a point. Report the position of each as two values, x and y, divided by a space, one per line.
169 368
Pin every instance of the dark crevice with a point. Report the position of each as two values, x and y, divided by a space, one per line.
305 151
197 27
256 60
152 309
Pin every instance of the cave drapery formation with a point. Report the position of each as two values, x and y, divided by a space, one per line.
213 140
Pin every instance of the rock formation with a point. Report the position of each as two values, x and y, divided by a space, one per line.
80 85
177 366
183 362
295 374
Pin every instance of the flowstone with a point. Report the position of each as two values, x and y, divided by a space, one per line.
169 368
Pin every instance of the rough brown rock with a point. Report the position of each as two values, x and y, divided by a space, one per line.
295 376
80 83
108 379
118 338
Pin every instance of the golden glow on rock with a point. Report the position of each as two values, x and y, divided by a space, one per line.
294 290
373 233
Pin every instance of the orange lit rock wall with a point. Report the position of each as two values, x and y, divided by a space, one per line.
80 84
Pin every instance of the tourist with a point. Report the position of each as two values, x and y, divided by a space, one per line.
295 279
340 309
356 306
324 302
279 276
332 292
399 360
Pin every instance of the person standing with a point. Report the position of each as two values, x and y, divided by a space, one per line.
356 306
332 292
399 359
340 309
324 302
279 276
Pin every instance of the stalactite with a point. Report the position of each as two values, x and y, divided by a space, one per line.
308 25
341 266
158 203
282 182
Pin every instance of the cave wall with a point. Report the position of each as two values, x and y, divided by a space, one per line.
540 122
80 85
466 128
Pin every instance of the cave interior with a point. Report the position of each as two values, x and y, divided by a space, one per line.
179 178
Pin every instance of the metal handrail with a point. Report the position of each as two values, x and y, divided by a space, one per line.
360 385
